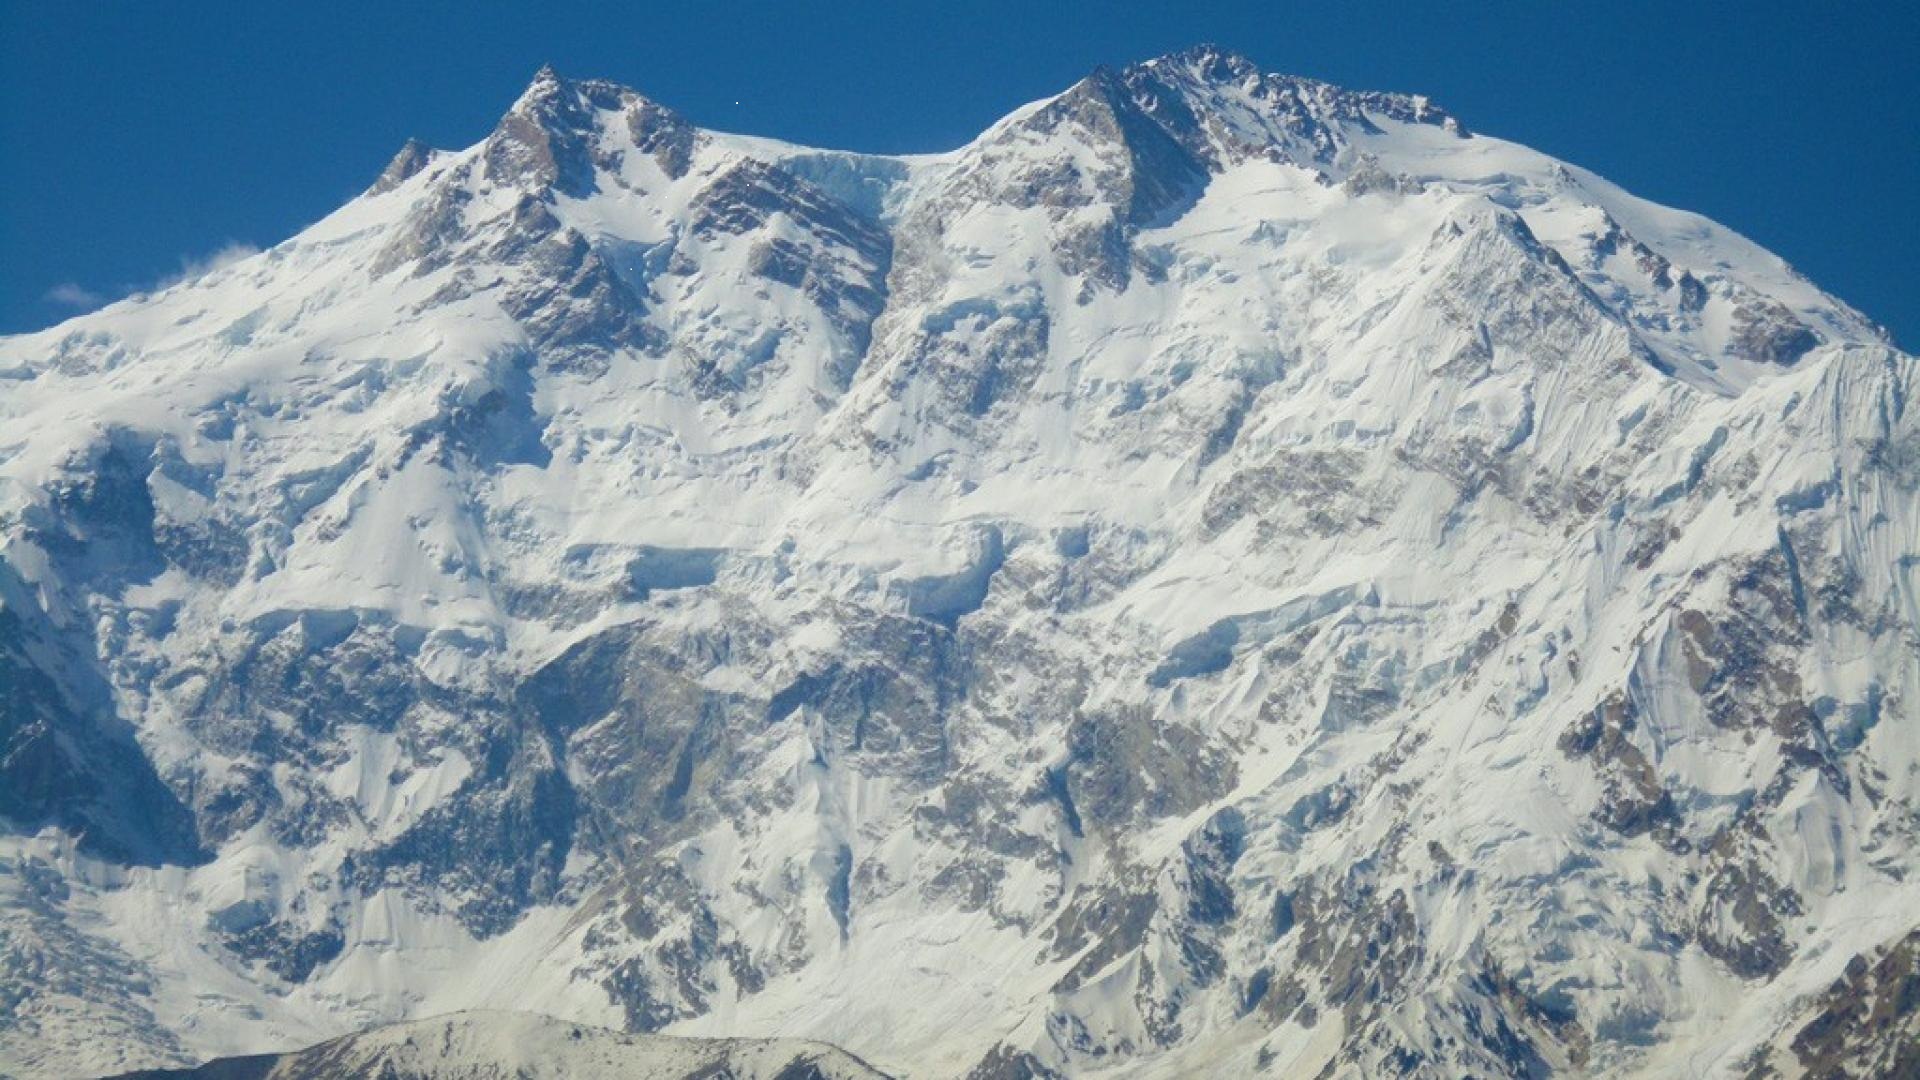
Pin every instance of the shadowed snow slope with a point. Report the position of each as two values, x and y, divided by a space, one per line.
1219 574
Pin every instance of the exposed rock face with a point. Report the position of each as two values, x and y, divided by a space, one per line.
413 157
1219 575
1866 1024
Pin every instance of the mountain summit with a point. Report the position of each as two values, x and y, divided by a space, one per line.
1220 574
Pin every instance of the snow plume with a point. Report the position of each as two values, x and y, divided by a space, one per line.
79 299
73 295
192 266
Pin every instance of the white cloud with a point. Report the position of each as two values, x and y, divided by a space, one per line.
73 295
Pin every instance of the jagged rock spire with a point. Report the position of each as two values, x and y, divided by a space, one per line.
546 135
413 156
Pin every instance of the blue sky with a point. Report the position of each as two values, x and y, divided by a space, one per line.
138 140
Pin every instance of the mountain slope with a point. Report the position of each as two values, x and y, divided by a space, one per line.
1220 573
482 1044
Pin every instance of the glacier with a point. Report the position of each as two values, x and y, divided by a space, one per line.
1221 574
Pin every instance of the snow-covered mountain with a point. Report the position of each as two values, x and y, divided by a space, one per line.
488 1045
1221 574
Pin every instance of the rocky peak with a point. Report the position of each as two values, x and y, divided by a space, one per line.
547 86
552 134
1162 126
1207 62
413 157
1244 111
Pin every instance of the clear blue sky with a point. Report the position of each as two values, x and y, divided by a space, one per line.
136 138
